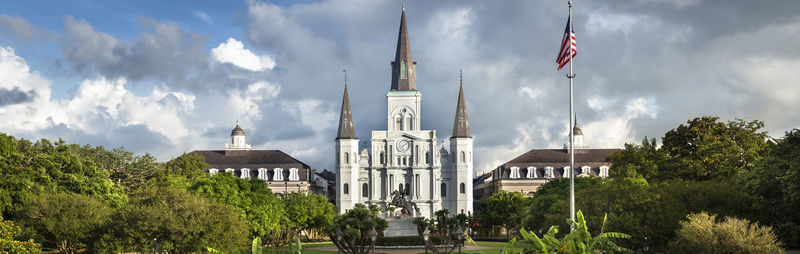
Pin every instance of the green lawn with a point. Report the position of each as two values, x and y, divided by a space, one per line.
495 248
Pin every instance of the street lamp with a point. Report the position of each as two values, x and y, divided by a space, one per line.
373 235
155 245
338 240
426 235
460 237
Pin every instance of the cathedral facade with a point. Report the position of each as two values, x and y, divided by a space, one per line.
404 159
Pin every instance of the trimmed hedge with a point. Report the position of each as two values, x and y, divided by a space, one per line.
491 238
405 241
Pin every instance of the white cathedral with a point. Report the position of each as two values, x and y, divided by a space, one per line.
403 157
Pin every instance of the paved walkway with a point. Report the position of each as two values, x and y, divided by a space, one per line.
404 251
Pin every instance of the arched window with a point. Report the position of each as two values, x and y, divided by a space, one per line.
444 190
400 188
427 157
346 189
463 157
404 161
398 124
383 158
463 188
346 157
365 190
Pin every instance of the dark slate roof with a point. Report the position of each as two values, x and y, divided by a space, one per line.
403 54
558 159
461 122
346 129
253 160
327 175
237 131
552 156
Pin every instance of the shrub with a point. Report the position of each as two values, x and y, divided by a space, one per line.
406 241
702 234
8 231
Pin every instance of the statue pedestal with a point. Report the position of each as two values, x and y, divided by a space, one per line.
401 227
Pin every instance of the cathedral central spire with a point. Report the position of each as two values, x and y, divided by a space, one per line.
403 67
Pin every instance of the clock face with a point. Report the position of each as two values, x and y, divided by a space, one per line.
403 145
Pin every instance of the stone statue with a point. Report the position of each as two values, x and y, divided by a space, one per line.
399 200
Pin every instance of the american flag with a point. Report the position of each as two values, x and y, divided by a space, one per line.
563 53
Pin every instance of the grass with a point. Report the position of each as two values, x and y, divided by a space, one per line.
495 248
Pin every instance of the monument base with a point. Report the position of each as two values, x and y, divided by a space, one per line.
401 227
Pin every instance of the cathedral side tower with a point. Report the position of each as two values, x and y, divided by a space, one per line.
460 166
346 158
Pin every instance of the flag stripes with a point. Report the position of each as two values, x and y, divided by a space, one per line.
564 53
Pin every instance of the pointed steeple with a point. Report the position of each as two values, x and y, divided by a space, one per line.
461 122
403 67
346 129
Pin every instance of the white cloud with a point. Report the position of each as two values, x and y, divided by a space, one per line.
600 22
233 51
203 16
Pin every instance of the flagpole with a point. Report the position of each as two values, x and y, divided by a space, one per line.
571 76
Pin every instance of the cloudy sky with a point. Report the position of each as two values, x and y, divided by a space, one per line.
166 77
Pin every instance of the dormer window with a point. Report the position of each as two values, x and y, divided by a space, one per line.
278 175
293 174
548 171
514 173
531 172
262 174
213 171
245 173
566 172
603 171
585 169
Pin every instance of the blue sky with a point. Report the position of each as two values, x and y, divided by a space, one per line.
168 77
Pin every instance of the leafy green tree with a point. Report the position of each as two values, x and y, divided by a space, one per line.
638 161
28 170
703 234
123 167
702 149
547 204
177 221
579 240
189 165
652 210
69 221
775 185
8 244
705 148
443 228
308 212
504 209
252 199
355 225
